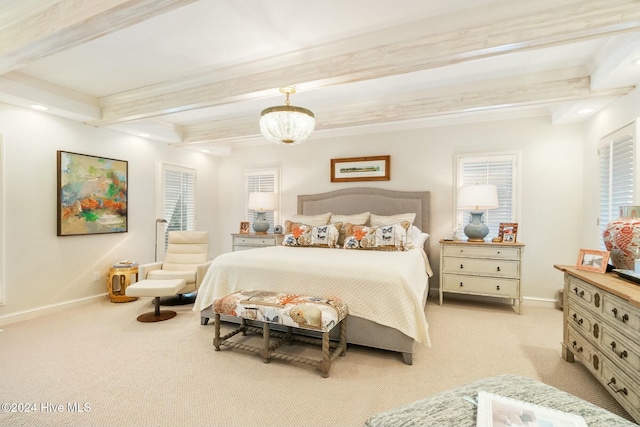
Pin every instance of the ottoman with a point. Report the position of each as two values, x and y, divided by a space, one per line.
290 310
156 289
451 409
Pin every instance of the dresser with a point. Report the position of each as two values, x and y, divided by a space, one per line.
244 241
481 268
601 329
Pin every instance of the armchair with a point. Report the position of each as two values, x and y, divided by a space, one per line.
186 258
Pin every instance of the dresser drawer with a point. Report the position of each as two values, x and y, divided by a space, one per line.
481 285
584 292
501 268
622 314
482 252
579 347
254 241
580 320
622 387
623 351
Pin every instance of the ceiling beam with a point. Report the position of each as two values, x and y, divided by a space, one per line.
566 22
69 23
441 102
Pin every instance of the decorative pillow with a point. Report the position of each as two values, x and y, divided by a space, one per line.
379 220
418 237
356 219
297 234
386 238
322 219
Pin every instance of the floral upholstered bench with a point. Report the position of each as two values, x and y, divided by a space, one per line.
292 311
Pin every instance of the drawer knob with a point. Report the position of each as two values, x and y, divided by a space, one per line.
461 285
461 266
575 344
498 287
575 319
498 268
623 354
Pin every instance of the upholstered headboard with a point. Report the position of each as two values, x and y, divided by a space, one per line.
349 201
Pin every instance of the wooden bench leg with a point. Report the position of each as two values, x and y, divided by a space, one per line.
343 337
216 339
265 352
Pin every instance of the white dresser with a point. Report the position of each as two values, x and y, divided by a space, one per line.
602 330
489 269
245 241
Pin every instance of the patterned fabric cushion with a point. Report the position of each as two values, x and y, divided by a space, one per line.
356 219
379 220
297 234
450 409
386 238
299 311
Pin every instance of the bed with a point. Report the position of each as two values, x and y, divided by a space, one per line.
386 304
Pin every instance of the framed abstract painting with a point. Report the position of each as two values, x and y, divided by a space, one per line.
92 194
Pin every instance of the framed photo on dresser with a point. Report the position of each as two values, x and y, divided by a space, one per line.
592 260
508 232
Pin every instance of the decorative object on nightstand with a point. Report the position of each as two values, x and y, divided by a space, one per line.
260 203
487 269
243 241
278 229
121 275
622 238
478 198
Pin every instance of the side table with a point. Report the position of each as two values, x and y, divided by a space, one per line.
121 276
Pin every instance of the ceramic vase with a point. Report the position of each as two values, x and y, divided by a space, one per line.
622 238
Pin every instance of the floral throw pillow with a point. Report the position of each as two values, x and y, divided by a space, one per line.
297 234
386 238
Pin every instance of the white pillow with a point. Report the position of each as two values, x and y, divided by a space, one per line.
314 220
379 220
419 238
357 219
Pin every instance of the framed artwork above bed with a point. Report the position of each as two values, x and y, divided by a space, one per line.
351 169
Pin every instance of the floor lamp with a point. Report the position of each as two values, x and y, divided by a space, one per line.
158 221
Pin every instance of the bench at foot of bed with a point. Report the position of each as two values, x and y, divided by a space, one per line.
292 311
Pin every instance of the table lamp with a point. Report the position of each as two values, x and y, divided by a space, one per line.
477 198
260 203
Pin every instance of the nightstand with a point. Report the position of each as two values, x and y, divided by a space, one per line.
481 268
245 241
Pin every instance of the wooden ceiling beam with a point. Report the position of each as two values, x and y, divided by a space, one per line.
565 22
69 23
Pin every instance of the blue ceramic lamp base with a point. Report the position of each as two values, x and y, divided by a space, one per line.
476 230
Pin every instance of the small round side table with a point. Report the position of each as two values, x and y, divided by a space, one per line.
121 276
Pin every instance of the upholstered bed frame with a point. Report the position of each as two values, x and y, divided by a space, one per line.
350 201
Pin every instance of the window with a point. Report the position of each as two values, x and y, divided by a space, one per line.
499 170
263 180
178 198
616 154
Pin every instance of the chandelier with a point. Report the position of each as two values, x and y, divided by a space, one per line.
287 124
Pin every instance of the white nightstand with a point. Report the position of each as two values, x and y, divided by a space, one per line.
245 241
489 269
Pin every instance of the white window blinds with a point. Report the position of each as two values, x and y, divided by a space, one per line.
179 194
499 170
264 180
617 174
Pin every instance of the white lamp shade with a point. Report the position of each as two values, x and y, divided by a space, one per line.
478 197
262 201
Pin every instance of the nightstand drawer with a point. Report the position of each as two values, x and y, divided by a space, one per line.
481 252
490 267
254 241
480 285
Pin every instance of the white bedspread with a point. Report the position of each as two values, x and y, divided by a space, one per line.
384 287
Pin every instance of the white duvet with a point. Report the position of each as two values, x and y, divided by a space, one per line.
384 287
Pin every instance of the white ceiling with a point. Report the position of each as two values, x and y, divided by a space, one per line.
197 73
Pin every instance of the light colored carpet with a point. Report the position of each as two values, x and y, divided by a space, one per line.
167 373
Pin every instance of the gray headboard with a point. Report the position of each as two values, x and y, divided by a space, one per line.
350 201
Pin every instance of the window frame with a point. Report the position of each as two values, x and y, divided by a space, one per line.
161 208
461 217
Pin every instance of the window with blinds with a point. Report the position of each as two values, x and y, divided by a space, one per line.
616 155
499 170
178 198
264 180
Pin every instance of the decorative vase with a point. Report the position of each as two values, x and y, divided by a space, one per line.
622 238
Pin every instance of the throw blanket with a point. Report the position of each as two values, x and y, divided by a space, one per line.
384 287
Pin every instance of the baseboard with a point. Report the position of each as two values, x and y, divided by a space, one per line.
34 313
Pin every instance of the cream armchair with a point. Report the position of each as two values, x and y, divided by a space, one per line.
186 258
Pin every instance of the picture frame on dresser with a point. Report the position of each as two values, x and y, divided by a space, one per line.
592 260
244 227
508 232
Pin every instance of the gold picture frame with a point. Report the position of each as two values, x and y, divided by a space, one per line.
244 227
592 260
351 169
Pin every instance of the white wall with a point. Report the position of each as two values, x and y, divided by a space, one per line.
42 269
422 159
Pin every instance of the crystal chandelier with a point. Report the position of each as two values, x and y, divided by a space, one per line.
287 124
